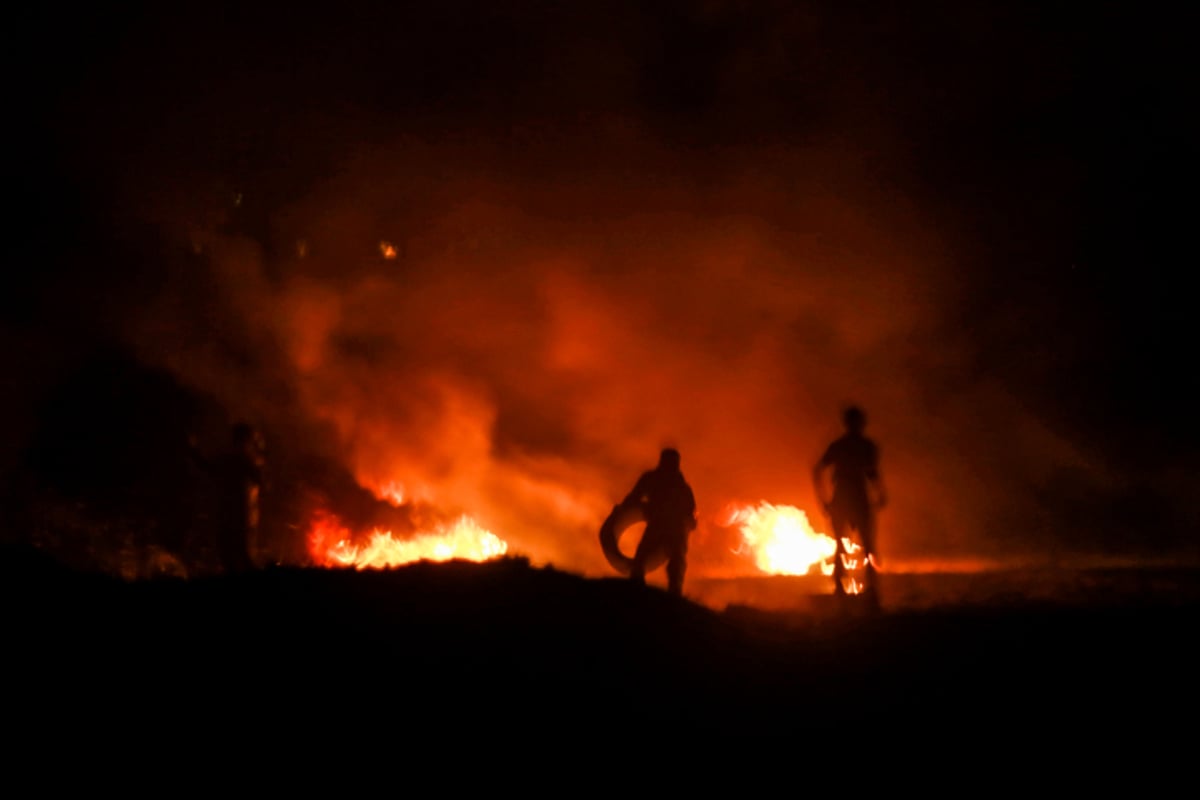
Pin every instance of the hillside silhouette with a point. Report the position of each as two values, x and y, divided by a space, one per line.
492 647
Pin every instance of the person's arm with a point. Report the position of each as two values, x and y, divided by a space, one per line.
881 497
876 479
818 475
638 493
692 511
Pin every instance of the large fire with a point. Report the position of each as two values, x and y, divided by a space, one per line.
781 539
782 542
332 544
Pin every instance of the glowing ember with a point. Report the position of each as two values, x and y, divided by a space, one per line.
781 539
331 545
387 250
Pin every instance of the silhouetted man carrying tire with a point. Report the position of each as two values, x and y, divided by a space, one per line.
670 508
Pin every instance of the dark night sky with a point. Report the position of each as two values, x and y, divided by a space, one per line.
1040 147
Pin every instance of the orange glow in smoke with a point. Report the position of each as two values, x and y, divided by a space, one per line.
331 544
781 540
392 492
387 250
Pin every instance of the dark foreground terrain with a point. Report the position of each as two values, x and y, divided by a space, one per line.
506 653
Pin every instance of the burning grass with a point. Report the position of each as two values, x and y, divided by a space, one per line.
332 544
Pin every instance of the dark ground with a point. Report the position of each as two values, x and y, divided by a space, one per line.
505 653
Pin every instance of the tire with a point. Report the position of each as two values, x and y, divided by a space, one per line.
622 518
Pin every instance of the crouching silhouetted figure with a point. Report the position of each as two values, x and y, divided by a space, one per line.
240 479
857 494
670 509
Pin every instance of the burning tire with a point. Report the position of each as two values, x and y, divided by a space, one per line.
622 518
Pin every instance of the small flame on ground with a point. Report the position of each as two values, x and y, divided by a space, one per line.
852 561
331 544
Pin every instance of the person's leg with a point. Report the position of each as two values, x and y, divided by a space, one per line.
645 548
677 565
839 563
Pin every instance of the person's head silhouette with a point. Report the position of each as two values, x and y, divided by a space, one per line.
668 460
855 419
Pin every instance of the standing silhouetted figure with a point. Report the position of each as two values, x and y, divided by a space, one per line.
240 486
854 460
670 510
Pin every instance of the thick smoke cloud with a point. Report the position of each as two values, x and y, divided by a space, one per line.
536 339
612 232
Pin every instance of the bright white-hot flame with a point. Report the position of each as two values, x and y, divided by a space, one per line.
331 544
781 540
852 561
851 554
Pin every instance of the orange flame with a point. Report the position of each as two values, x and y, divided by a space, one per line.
781 539
852 561
331 545
387 250
783 542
